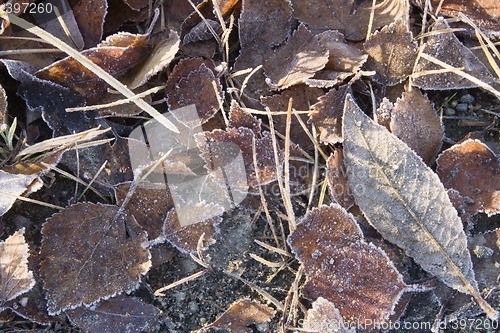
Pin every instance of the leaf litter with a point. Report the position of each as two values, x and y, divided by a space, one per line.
269 79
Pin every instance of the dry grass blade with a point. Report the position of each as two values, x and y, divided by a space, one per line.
89 65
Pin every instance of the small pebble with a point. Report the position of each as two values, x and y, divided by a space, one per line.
468 99
483 252
453 103
263 327
193 307
462 107
450 112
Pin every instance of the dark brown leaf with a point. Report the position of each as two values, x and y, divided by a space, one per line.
472 169
121 314
243 313
416 123
336 176
299 59
115 55
240 118
356 276
392 53
348 16
90 18
91 252
328 115
197 89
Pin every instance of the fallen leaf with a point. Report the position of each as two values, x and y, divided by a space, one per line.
201 32
15 277
336 175
240 118
299 59
11 187
327 116
148 204
196 89
343 57
473 170
136 4
416 123
243 313
158 59
392 53
325 317
90 17
115 55
485 13
203 220
91 252
405 201
348 16
445 47
121 314
183 69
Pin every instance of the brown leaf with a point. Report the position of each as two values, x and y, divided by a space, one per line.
197 89
299 59
343 57
348 16
15 277
325 317
240 118
115 55
203 219
328 115
392 53
121 314
484 13
405 201
356 276
472 169
136 4
243 313
336 175
90 18
218 149
446 47
91 252
416 123
148 204
201 32
183 69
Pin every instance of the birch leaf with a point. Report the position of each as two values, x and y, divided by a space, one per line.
405 201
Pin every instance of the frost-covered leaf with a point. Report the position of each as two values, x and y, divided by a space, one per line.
405 201
115 55
12 186
472 169
392 53
243 313
324 317
91 252
240 118
122 314
90 18
416 123
348 16
445 47
299 59
15 277
159 58
336 176
196 88
328 115
485 251
484 13
356 276
204 220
